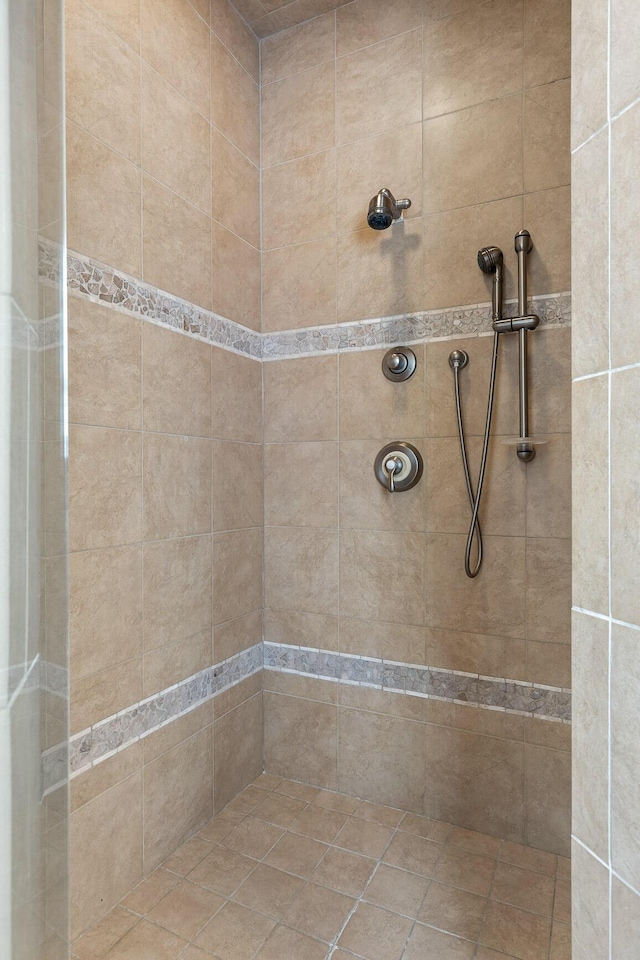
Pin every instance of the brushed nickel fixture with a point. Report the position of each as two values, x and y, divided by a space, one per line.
384 209
399 364
491 261
398 466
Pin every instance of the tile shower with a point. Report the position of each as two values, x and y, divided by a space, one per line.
247 603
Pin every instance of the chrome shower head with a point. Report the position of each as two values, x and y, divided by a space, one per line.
384 209
489 259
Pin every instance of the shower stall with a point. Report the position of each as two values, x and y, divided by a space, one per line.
290 661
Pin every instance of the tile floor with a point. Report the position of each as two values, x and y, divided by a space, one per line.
290 872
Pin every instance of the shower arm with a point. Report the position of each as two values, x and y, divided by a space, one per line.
521 325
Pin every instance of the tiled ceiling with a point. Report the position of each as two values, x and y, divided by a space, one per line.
269 16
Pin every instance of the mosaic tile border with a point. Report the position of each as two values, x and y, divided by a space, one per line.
109 287
468 321
432 683
119 731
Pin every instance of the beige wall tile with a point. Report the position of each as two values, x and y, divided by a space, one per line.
177 590
300 401
624 39
380 701
237 574
177 244
590 905
177 486
451 242
379 87
123 17
312 181
365 503
102 73
379 274
237 485
549 489
301 484
447 504
625 138
549 663
547 34
475 653
105 487
591 472
475 781
468 61
625 756
178 796
236 277
365 22
591 732
550 378
590 228
185 171
301 569
367 591
493 604
112 771
473 156
547 216
366 638
547 796
103 203
117 812
489 722
235 101
299 286
104 366
229 27
391 159
394 410
285 626
105 608
440 417
588 69
437 9
236 403
242 692
100 695
298 115
166 738
301 740
547 157
297 49
176 374
175 42
625 920
236 635
549 590
237 739
236 189
625 389
174 662
398 775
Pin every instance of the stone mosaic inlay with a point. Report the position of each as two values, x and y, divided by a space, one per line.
492 693
110 287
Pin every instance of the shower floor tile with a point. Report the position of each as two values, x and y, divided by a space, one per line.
290 872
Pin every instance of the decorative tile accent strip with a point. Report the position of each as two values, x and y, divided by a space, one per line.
471 321
489 693
121 730
110 287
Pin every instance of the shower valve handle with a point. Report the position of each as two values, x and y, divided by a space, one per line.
392 466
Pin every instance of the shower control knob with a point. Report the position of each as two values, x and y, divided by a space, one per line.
399 364
398 466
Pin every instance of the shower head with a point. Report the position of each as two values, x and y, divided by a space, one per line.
384 209
489 259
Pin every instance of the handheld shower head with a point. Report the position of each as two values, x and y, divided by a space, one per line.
490 261
384 209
